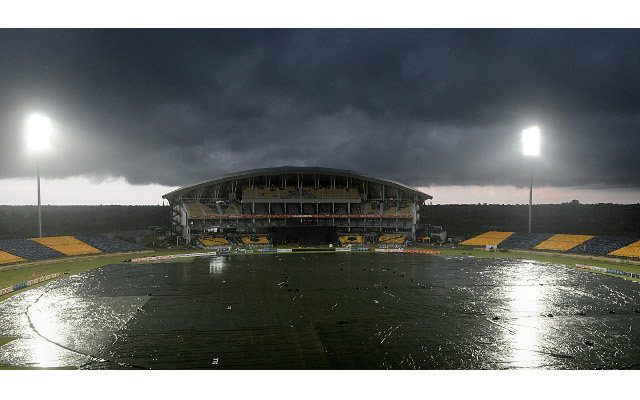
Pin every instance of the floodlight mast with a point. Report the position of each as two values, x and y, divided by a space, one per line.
531 147
38 129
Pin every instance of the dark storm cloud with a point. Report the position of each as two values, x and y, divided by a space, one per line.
423 107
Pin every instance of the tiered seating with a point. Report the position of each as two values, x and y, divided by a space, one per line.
220 241
352 193
277 209
194 210
355 209
231 210
351 239
522 240
255 240
67 245
293 209
311 193
492 238
333 193
632 250
324 208
28 249
404 210
109 245
391 211
208 210
289 193
246 209
268 193
6 258
562 242
249 193
308 208
602 245
392 239
371 209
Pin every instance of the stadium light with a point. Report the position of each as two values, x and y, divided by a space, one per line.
38 131
531 141
531 147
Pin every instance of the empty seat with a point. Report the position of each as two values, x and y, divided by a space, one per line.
6 258
602 245
523 240
562 242
29 250
109 245
194 210
632 250
67 245
492 238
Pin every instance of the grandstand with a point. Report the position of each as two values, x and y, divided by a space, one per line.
632 250
581 244
67 245
562 242
6 258
491 238
18 250
301 204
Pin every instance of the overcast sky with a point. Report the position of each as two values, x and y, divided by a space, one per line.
438 109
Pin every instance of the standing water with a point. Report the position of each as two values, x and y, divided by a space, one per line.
327 311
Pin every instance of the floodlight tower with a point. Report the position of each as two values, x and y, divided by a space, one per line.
531 147
38 129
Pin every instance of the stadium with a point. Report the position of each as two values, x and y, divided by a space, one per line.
305 205
494 301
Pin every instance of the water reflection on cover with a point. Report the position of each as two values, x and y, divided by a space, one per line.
318 311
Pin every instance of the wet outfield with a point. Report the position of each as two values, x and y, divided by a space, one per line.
327 311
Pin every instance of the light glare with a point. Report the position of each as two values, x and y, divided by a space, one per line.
531 141
38 129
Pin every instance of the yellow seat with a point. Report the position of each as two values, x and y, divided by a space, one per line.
214 241
6 258
393 239
255 240
491 237
562 242
632 250
67 245
346 239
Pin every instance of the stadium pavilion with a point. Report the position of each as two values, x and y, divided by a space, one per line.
305 205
